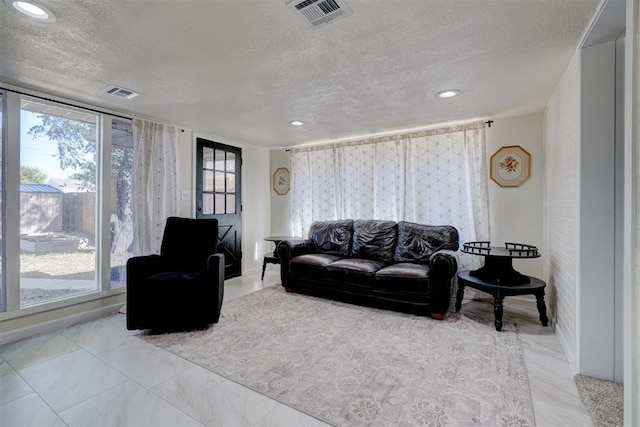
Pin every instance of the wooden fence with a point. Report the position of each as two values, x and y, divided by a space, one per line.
57 213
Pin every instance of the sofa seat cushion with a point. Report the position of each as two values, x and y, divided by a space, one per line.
354 270
315 263
403 277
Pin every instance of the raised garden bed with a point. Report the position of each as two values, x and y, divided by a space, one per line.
46 243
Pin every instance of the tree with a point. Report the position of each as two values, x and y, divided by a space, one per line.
32 175
77 150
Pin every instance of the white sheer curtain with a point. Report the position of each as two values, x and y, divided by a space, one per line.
430 177
155 194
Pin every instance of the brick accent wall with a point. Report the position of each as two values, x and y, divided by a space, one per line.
562 136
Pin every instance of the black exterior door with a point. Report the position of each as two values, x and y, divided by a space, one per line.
218 196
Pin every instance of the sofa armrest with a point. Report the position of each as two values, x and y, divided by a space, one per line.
444 264
288 249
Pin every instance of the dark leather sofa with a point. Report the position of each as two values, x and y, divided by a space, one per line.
398 265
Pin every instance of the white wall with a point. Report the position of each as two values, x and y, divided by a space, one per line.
516 213
280 204
256 215
596 191
562 136
580 214
186 178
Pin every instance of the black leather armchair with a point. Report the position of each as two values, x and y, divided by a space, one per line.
183 287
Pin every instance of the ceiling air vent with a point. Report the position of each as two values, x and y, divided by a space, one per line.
317 13
121 92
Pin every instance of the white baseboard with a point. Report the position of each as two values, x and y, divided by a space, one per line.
567 349
53 325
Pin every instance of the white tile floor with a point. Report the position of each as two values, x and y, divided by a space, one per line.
100 374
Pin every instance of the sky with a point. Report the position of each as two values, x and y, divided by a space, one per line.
41 152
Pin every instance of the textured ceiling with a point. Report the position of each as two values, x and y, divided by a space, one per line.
241 70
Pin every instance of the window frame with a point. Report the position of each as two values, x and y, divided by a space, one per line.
10 169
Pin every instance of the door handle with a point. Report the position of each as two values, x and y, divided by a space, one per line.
199 208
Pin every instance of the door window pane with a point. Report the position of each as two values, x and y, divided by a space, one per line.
231 162
207 158
57 202
121 200
220 204
231 183
231 203
219 160
207 201
207 180
219 182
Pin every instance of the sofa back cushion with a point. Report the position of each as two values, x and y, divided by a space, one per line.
332 237
374 239
417 242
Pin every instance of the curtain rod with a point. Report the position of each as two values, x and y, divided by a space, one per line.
392 137
68 104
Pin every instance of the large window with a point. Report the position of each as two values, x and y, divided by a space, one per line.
57 202
69 232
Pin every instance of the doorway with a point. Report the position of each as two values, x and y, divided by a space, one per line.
218 195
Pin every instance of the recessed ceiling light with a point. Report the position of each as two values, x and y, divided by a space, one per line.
448 93
33 9
296 123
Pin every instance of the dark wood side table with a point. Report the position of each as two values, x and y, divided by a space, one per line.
500 291
498 261
273 258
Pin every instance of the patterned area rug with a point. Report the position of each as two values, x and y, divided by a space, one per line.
349 365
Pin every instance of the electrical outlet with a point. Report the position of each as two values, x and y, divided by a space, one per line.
185 195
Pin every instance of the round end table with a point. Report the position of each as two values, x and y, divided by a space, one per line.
500 291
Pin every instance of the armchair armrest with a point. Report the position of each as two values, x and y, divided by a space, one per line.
215 266
137 269
140 267
215 270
